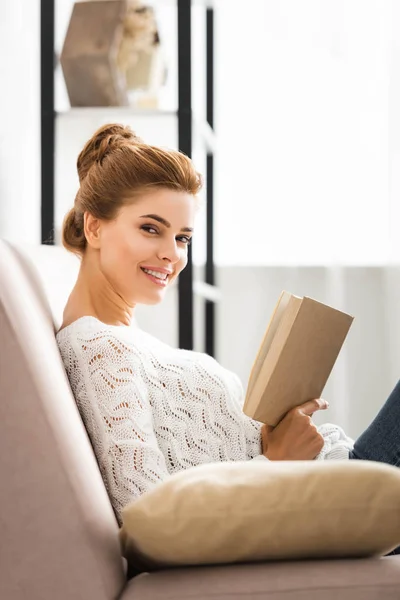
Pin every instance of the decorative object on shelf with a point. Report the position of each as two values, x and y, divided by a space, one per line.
140 55
111 51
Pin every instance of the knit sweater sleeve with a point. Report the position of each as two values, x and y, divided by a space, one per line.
336 443
115 408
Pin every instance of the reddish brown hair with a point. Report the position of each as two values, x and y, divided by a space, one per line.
114 167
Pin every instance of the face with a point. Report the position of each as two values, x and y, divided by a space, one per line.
145 248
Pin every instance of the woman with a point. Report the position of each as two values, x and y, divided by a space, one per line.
151 410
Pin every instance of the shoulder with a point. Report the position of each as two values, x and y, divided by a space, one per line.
88 335
88 327
108 356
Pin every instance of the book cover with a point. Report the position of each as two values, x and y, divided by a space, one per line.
296 356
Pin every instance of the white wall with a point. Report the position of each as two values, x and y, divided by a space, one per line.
20 120
308 96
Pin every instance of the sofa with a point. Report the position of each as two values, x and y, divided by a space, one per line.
59 534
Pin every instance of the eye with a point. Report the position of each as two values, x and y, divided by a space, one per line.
149 229
185 239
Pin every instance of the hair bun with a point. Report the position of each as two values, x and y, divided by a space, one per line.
104 140
73 236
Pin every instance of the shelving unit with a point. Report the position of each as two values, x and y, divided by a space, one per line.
185 132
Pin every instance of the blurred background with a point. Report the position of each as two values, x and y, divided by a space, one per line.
305 144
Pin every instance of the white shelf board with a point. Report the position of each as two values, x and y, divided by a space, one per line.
168 3
85 111
201 128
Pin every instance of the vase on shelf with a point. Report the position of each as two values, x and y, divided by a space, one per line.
112 55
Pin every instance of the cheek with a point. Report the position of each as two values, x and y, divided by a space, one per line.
116 253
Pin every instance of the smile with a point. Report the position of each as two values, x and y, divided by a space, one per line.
156 277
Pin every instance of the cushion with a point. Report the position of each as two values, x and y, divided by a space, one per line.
250 511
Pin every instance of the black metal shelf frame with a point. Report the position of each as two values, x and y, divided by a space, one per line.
47 54
185 133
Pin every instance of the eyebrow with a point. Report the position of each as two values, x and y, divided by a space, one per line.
165 222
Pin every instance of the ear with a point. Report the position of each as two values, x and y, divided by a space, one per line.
92 227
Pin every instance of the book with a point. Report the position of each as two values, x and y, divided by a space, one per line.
296 356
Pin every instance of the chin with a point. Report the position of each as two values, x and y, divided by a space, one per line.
151 300
154 301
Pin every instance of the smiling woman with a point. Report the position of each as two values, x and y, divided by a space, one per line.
131 224
151 410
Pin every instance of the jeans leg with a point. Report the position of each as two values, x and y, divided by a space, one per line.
381 440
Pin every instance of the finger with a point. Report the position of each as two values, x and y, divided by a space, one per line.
310 407
266 429
264 438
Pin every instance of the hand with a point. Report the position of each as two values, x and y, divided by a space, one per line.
296 437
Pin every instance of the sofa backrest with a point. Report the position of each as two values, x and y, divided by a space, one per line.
59 534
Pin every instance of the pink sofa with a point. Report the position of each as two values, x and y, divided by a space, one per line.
59 535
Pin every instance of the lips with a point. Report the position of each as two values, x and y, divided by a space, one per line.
158 269
157 280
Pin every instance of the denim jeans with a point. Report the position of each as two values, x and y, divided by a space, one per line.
381 440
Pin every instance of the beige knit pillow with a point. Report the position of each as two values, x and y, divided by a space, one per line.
256 510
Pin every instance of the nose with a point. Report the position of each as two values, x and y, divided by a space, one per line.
170 251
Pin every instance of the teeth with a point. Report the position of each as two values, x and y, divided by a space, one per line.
156 274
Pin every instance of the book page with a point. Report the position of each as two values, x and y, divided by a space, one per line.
268 337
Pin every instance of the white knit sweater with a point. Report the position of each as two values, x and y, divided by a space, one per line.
151 410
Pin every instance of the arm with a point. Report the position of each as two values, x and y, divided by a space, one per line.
115 408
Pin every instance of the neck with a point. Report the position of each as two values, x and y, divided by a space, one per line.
94 295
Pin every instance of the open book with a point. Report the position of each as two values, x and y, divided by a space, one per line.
296 357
